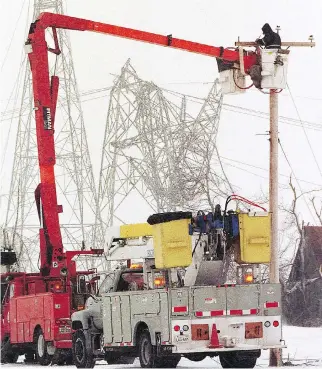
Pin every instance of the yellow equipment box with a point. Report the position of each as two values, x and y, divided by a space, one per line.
255 242
135 230
172 244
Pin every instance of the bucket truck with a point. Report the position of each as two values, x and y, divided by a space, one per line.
178 300
36 307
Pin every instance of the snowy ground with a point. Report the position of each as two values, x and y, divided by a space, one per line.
304 349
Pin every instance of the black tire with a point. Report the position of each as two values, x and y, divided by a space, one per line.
235 359
82 357
7 353
42 355
146 351
148 357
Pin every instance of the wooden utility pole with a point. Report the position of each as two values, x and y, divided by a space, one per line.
275 358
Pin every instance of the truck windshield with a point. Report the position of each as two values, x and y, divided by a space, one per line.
131 281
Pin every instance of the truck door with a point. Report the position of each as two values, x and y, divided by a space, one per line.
117 319
107 320
125 318
107 286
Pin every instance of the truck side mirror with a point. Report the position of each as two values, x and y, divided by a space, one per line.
92 285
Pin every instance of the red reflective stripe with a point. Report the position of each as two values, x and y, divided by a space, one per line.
223 312
271 304
180 309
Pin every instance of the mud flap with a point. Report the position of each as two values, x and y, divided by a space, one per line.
158 343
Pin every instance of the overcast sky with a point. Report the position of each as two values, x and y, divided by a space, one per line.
240 140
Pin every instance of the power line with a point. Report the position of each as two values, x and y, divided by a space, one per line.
281 185
298 183
16 90
252 112
12 36
255 91
264 115
228 107
307 138
256 167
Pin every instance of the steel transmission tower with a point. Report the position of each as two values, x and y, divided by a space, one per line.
74 175
156 149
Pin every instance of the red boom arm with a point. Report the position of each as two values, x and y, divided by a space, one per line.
45 97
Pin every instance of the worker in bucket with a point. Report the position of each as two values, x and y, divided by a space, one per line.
271 39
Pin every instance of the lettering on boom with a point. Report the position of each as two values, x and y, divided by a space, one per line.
47 118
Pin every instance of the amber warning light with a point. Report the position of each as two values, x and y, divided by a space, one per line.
159 282
248 278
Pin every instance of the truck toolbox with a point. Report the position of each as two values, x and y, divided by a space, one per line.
171 240
254 231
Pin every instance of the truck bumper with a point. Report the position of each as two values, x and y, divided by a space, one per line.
227 333
178 350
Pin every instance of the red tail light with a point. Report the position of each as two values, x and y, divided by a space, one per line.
276 323
176 328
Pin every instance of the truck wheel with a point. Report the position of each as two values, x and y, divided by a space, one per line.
42 355
146 351
237 360
82 358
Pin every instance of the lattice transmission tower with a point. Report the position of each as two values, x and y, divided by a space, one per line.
159 148
74 175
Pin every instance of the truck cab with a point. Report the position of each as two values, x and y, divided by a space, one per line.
88 323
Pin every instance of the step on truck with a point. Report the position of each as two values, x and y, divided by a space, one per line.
157 312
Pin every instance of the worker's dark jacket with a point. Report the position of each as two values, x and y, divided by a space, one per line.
271 39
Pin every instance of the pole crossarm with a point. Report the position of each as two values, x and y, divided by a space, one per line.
298 44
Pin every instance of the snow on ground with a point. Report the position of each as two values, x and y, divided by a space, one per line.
304 348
